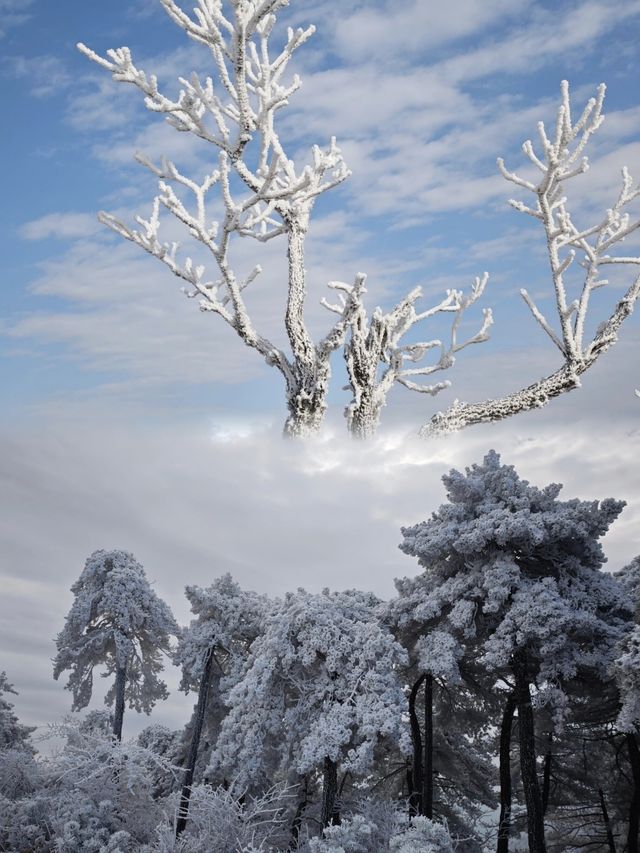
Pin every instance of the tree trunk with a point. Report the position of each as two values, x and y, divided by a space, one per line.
634 809
533 799
118 713
306 396
546 776
198 722
307 406
329 792
504 826
416 778
300 810
607 823
427 781
363 414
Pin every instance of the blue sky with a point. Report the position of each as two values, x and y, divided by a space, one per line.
117 390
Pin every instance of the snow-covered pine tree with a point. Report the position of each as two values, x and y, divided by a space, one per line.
627 675
515 572
592 248
266 195
321 688
118 622
212 652
13 734
451 774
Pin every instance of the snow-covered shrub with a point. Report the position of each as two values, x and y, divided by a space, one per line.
422 836
221 822
99 787
354 835
19 774
362 834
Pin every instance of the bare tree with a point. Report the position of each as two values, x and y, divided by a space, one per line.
277 198
265 195
561 160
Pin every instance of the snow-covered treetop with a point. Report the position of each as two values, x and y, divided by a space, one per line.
243 102
321 682
490 506
116 620
508 566
228 619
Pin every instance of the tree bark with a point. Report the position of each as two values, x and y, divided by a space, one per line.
307 405
363 416
329 792
532 796
306 397
427 781
300 810
546 776
416 777
118 713
634 809
504 826
198 722
606 821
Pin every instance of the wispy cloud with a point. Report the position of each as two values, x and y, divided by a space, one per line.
415 27
13 13
63 226
45 75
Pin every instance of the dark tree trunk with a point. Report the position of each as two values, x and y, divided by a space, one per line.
504 826
329 793
300 810
634 809
198 722
546 776
118 712
416 777
526 730
607 823
427 780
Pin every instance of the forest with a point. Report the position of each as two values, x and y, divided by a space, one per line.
493 702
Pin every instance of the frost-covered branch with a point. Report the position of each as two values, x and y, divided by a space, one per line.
277 198
568 245
376 342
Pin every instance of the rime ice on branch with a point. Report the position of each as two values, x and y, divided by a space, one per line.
593 248
237 116
376 340
278 197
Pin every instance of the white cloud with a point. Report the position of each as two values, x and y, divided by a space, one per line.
417 26
552 32
63 226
